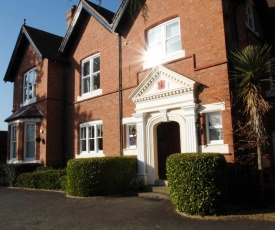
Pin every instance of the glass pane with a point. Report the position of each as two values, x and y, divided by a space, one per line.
83 133
92 144
83 145
30 92
13 150
132 140
172 29
154 36
92 132
30 147
89 132
215 134
13 133
25 94
99 131
173 45
25 81
86 68
215 119
96 78
30 77
30 133
34 76
86 85
100 143
96 64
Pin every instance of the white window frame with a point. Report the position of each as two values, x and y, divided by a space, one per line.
131 135
209 127
29 84
88 153
29 159
152 58
92 92
13 142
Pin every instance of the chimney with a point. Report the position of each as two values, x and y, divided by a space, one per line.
70 15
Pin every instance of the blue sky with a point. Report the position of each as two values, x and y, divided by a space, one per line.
47 15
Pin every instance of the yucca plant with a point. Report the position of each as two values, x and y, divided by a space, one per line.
253 67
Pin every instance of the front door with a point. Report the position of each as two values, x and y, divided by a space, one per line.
168 139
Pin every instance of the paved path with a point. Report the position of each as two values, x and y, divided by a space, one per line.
30 209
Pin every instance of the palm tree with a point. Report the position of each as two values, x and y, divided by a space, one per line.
253 66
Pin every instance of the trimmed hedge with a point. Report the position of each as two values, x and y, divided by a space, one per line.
100 176
43 179
3 180
197 182
12 171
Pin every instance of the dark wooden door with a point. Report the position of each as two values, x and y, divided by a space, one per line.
168 139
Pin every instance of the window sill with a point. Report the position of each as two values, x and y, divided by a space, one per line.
28 102
171 57
13 161
89 95
30 161
89 155
129 152
215 148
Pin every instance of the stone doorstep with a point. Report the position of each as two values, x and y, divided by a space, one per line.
154 195
158 191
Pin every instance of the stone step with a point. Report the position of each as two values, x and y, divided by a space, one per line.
161 189
154 195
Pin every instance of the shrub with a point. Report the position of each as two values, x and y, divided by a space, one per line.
3 180
197 182
45 179
100 176
12 171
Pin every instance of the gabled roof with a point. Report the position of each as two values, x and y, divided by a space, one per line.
109 20
45 45
30 111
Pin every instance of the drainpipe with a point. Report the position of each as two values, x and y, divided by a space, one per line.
120 94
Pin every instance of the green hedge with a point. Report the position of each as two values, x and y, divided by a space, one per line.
100 176
45 179
12 171
3 180
197 182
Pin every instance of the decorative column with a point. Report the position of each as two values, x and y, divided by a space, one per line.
191 131
141 147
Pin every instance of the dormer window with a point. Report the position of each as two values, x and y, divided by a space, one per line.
164 43
29 87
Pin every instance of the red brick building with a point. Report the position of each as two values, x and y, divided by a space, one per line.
122 84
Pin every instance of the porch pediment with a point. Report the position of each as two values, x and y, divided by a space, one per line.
162 83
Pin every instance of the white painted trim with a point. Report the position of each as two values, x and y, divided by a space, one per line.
128 120
215 148
214 107
89 155
89 95
130 152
